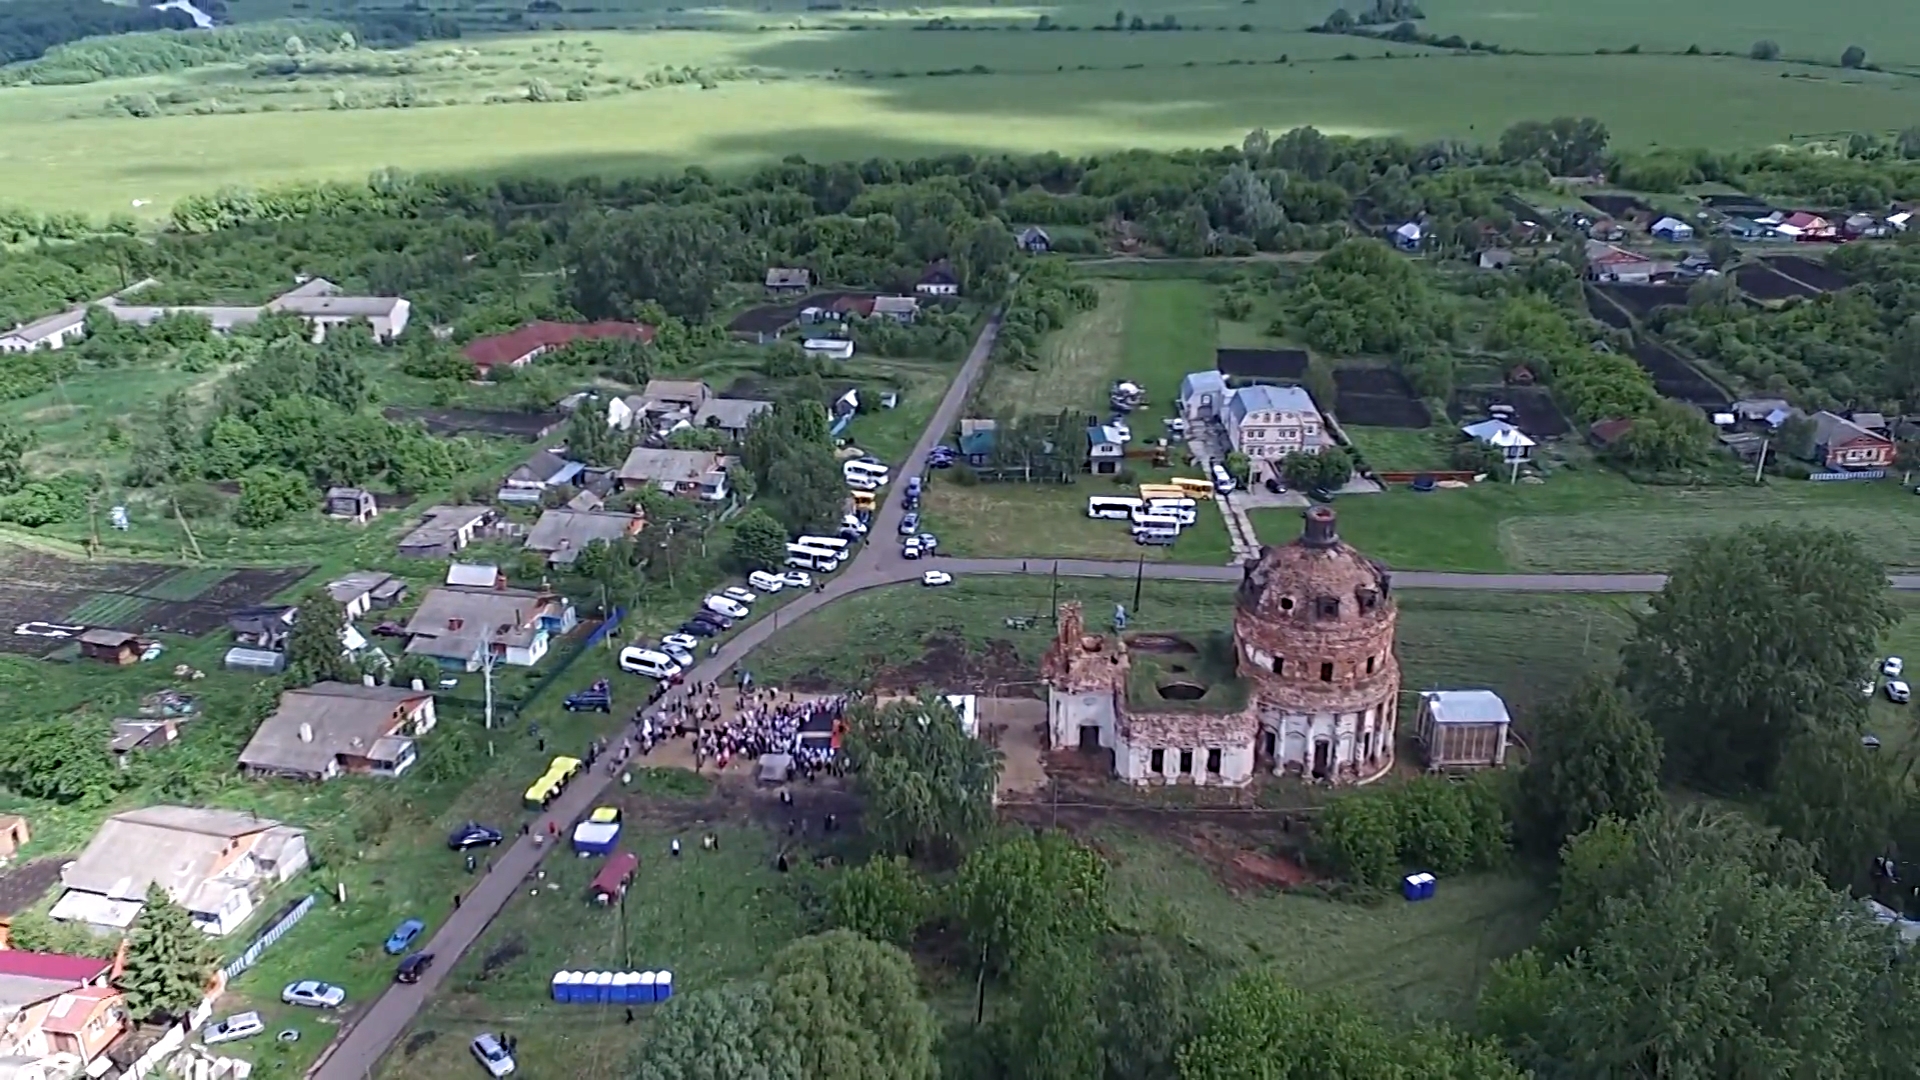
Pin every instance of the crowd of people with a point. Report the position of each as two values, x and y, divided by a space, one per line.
762 721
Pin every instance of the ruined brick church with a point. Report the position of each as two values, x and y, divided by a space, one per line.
1312 687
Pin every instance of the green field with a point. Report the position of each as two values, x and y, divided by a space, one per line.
1398 449
1598 522
837 95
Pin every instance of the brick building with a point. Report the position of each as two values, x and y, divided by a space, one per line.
1311 685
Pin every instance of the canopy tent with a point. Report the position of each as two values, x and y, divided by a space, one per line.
775 768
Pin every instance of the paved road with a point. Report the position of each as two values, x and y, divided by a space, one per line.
354 1055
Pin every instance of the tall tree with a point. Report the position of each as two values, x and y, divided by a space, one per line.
169 960
1842 800
851 1009
1592 756
314 649
1703 946
1757 637
675 256
722 1033
883 898
928 786
1024 894
759 542
1145 1006
1054 1034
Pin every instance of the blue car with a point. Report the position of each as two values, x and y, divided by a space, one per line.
403 936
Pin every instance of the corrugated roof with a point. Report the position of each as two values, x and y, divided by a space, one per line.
1466 707
508 347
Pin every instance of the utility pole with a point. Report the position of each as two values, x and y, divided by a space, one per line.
486 668
182 519
1054 607
1762 463
1139 578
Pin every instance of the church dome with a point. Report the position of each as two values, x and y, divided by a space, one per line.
1317 582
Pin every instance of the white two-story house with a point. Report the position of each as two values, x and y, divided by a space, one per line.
1270 422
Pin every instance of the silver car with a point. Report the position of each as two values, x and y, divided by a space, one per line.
314 994
238 1026
493 1057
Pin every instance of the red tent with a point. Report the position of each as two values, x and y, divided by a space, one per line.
612 880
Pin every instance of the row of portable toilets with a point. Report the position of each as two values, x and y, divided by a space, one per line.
612 987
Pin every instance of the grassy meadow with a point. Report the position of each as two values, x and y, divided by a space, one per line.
754 86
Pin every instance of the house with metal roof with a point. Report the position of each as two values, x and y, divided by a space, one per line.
331 728
459 628
1269 422
561 535
217 864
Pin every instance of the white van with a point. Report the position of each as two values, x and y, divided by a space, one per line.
1182 510
732 609
1222 480
1156 537
654 665
1153 519
764 582
871 472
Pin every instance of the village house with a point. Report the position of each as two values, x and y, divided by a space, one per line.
320 303
731 415
218 864
444 530
1742 228
1202 396
1514 445
523 345
1840 443
828 348
459 627
901 309
1495 259
52 332
332 728
697 473
1266 423
1608 262
351 504
784 280
533 477
58 1014
132 734
1672 230
363 590
1106 450
561 535
977 438
939 280
265 626
1034 240
1407 237
1802 225
113 646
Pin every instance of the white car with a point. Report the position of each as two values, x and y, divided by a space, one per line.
797 579
1898 692
314 993
730 608
681 641
683 657
1892 666
911 549
765 582
1868 686
738 595
493 1057
936 577
238 1026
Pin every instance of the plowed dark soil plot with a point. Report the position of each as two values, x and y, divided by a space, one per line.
40 594
1603 308
1533 408
768 318
1378 410
1677 379
1616 205
480 421
1261 363
1816 274
1381 381
1762 283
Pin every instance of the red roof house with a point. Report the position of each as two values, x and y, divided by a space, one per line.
517 348
1803 224
55 967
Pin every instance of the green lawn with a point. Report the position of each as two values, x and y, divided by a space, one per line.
1410 961
1050 521
835 95
1598 522
1397 449
1076 367
889 434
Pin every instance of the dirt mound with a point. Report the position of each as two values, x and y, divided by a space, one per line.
1241 868
949 666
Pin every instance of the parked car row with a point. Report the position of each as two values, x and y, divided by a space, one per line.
675 654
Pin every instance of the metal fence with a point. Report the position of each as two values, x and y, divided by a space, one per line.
1842 474
273 933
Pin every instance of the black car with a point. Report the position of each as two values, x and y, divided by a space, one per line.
473 835
596 698
713 618
413 967
699 628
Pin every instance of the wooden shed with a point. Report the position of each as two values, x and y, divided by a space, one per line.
112 646
1463 729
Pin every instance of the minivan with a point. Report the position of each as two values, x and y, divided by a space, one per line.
732 609
765 582
654 665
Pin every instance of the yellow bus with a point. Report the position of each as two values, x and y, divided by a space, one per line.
1150 492
1192 488
550 784
863 500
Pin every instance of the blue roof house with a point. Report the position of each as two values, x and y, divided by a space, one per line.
1203 395
1106 450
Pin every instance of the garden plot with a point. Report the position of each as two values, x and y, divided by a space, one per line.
45 599
1816 275
1764 283
1378 397
1533 408
513 425
1642 299
1677 379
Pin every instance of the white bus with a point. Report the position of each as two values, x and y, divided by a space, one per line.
869 471
1114 507
1156 537
1181 510
826 543
1154 519
811 552
820 562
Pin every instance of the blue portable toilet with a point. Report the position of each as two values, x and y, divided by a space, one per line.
559 985
1427 886
663 986
603 987
1417 886
569 987
646 990
622 988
